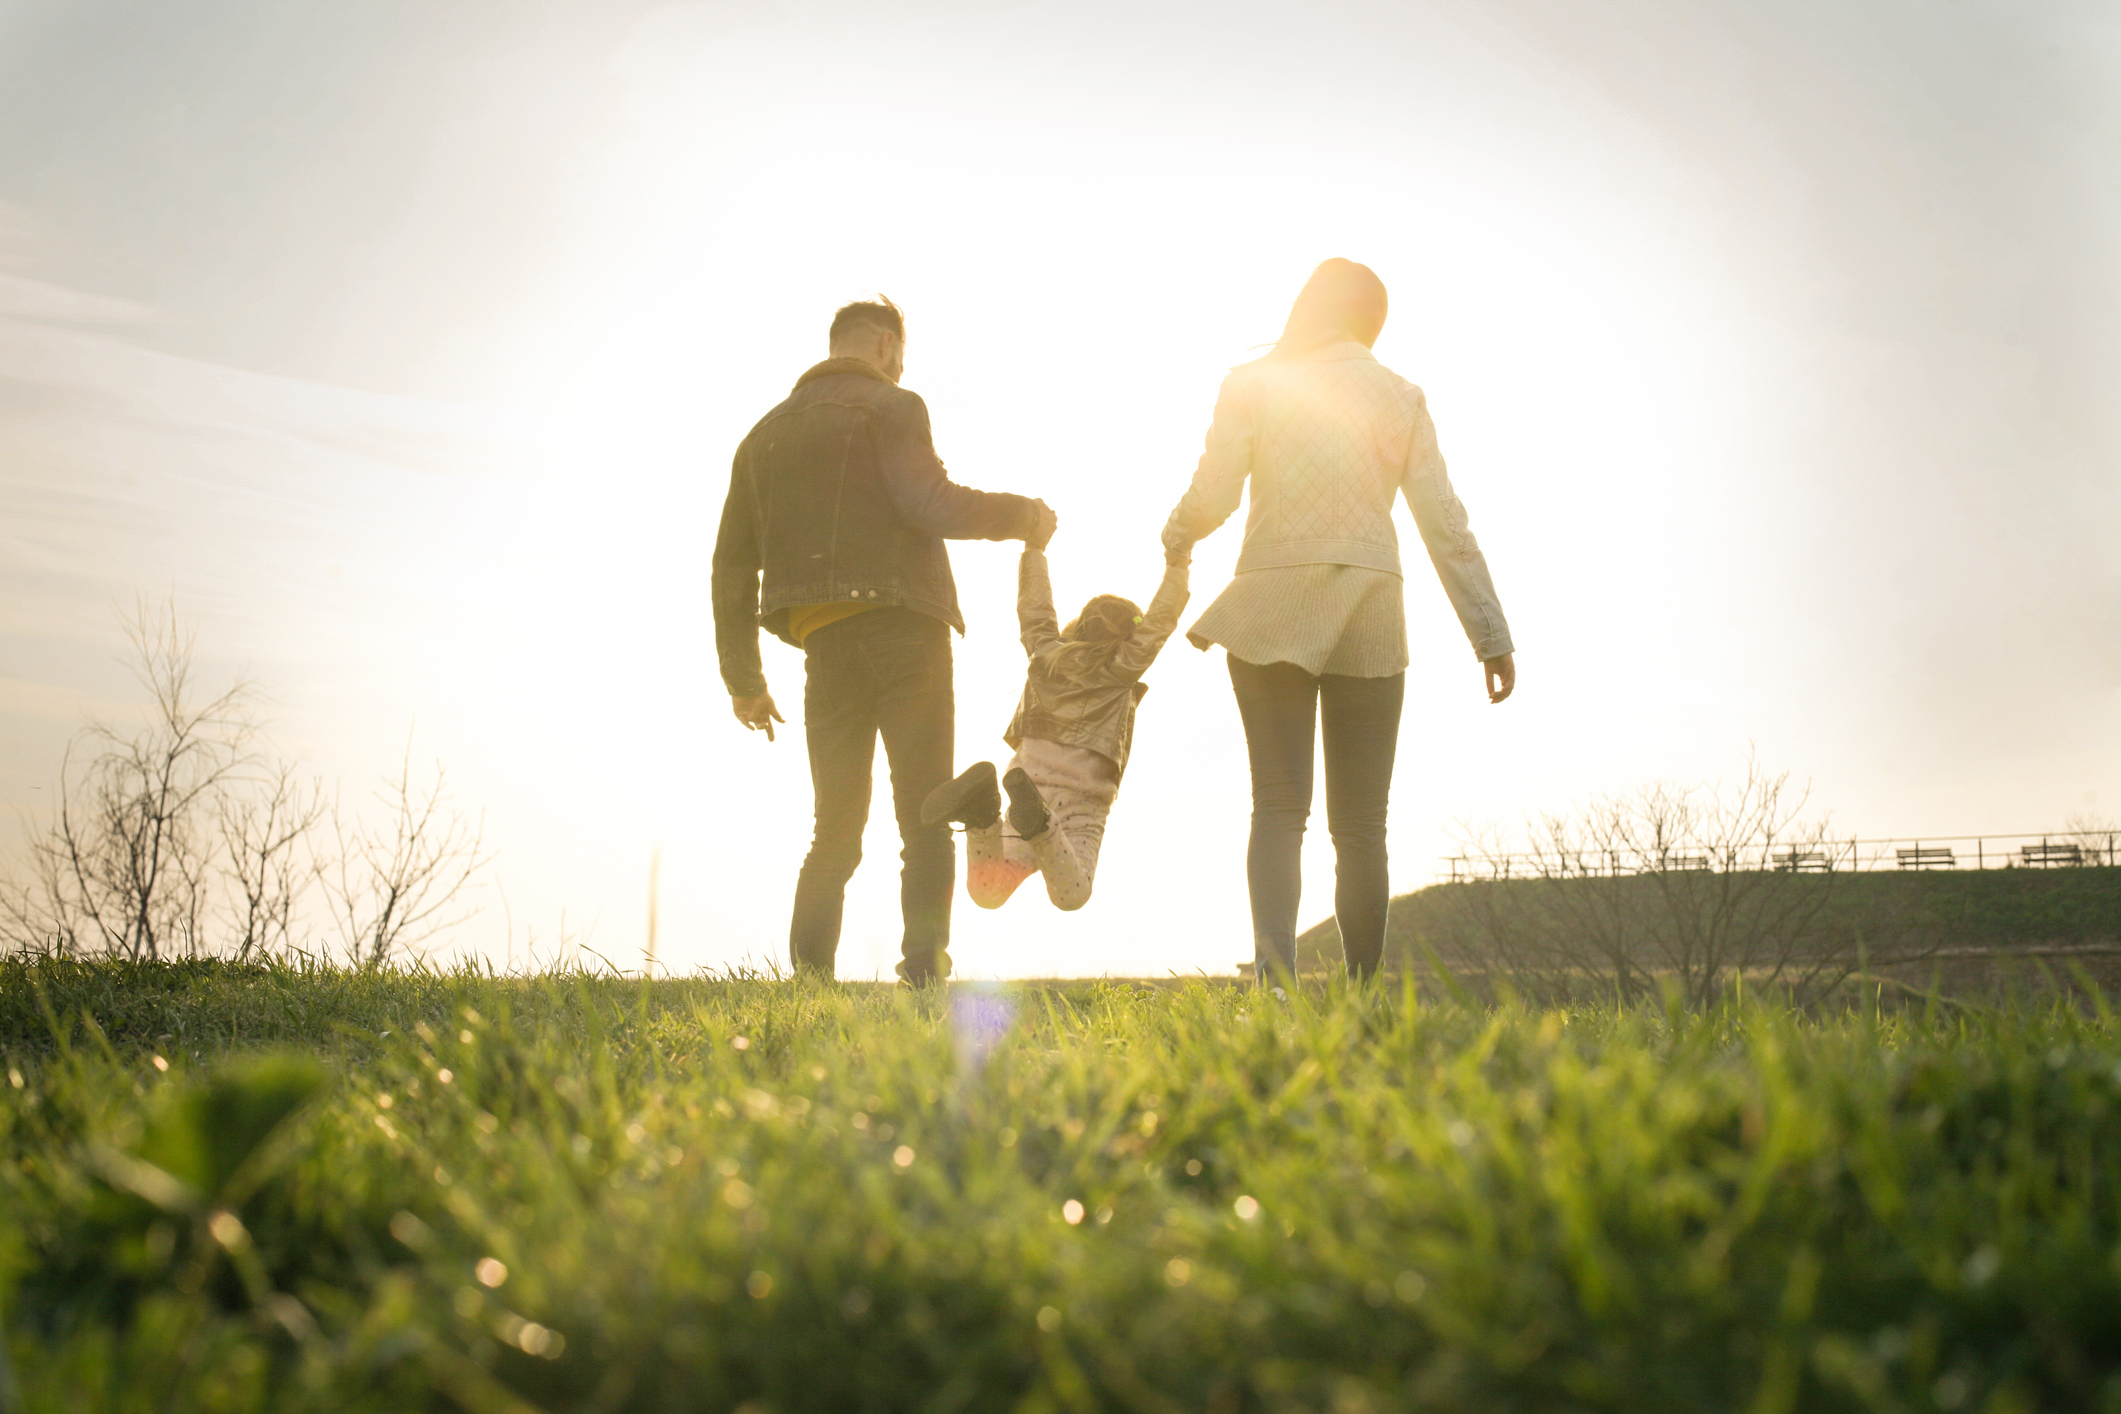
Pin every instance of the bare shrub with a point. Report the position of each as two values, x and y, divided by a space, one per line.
186 838
126 868
393 886
1697 886
2098 836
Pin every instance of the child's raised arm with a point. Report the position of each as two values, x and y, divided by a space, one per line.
1034 604
1138 652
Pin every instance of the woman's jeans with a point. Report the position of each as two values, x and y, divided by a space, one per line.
1279 703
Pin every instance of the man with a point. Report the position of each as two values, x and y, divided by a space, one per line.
832 538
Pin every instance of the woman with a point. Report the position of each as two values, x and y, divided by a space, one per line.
1313 623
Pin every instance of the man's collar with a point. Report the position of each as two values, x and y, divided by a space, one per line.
833 367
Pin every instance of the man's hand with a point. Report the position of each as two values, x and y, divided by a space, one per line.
1042 530
1502 676
757 713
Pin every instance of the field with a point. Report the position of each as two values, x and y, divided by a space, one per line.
265 1188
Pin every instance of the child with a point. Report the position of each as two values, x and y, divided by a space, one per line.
1072 731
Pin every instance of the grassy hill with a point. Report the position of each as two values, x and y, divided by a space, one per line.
1974 926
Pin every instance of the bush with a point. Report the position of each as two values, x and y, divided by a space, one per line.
187 839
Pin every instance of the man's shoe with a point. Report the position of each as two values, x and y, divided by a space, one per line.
918 974
1028 815
971 800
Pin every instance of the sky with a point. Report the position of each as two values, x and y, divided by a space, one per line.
404 346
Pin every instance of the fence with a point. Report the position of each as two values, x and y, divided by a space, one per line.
1821 856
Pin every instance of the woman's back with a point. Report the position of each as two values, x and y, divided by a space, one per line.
1326 438
1330 433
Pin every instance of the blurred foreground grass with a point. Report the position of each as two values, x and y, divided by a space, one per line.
237 1189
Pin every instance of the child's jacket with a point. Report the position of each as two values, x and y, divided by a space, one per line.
1084 694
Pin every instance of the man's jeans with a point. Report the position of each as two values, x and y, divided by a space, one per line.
1280 704
884 672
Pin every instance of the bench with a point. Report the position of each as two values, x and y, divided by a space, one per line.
1803 861
1926 857
1684 861
2045 855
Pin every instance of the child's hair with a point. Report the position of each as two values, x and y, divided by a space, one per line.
1105 619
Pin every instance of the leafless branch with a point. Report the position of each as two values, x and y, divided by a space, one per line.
263 837
393 886
126 867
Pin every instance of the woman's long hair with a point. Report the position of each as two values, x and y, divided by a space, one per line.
1342 300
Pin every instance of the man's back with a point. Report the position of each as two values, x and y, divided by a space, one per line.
837 498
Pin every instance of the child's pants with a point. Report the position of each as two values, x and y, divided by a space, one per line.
1079 786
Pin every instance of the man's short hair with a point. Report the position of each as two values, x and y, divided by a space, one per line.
879 313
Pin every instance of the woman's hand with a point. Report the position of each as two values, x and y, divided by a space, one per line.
1502 676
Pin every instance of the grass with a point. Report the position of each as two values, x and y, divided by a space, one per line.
355 1191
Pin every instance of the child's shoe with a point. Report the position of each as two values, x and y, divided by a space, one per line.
1028 815
971 800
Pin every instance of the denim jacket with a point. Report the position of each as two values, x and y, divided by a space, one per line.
837 494
1084 694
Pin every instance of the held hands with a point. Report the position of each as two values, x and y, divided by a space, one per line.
757 713
1501 675
1042 528
1178 546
